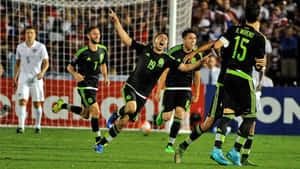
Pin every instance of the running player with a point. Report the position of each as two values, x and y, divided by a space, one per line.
177 94
31 54
151 64
91 61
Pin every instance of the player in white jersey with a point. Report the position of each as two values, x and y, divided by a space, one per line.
30 56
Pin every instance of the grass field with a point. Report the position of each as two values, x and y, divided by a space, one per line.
66 149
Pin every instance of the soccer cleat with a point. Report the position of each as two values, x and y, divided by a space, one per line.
58 106
217 155
245 161
169 149
234 157
98 148
37 131
178 154
114 116
159 120
20 131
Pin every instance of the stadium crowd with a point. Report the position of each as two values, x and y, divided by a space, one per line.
62 31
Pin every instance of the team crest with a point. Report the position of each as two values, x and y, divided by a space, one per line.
34 50
161 62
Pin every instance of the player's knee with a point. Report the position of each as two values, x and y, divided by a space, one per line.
37 104
22 102
179 112
245 127
166 116
207 124
130 108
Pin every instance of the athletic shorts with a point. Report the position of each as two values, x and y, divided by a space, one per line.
239 93
216 107
88 96
130 94
32 87
176 98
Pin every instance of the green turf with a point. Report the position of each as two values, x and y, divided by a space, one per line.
66 148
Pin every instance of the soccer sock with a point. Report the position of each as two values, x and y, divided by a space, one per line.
72 108
121 111
112 133
38 119
174 130
95 128
221 130
197 132
22 116
239 143
247 146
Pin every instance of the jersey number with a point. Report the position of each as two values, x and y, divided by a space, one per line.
242 46
96 63
151 65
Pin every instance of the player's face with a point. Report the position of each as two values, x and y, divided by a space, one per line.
160 42
94 36
190 41
30 35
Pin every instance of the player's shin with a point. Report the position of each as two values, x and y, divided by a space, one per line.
174 130
221 130
95 128
196 133
38 119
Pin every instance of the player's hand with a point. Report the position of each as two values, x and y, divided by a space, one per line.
40 76
189 57
206 58
195 99
261 62
107 82
113 16
258 88
157 96
78 77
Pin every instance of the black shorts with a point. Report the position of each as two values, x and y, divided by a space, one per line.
88 96
239 93
176 98
129 94
216 107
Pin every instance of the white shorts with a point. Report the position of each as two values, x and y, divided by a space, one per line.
30 86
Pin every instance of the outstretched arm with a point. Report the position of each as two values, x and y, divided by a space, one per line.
122 33
200 49
188 67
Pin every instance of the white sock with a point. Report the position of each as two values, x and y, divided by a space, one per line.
38 119
99 133
22 116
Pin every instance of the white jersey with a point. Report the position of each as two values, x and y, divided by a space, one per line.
31 58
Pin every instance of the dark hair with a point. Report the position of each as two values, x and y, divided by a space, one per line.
187 31
30 27
160 33
90 29
252 13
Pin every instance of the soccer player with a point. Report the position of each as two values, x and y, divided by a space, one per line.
215 111
151 64
242 46
30 56
91 61
177 94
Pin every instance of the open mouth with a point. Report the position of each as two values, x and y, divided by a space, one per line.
161 44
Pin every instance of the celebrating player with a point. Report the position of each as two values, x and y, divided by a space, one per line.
31 54
151 64
91 61
178 93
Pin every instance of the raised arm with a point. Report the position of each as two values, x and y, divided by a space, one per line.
200 49
189 67
122 33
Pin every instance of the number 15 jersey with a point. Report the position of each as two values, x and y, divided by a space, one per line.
242 45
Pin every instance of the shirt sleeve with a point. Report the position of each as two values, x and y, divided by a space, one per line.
225 38
18 54
105 60
261 47
172 63
138 46
44 52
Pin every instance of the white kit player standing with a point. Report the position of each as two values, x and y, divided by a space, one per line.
31 54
